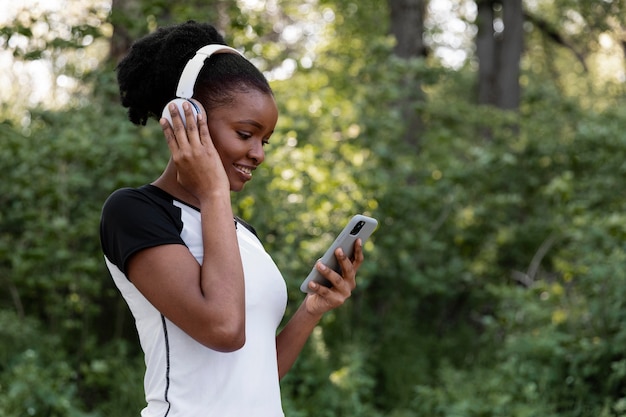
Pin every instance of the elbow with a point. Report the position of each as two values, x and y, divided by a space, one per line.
231 344
226 338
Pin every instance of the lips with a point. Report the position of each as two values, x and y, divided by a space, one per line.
245 170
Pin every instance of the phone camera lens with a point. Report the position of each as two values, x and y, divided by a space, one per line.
356 229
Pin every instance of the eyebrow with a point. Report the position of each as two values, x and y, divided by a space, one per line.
251 122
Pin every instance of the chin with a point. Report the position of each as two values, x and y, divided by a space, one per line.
236 187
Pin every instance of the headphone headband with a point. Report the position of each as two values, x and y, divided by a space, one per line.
193 67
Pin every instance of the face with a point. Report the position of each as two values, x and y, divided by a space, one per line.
240 130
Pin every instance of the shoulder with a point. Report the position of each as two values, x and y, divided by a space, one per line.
132 196
124 197
141 202
137 218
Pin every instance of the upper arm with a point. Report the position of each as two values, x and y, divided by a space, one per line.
169 277
143 240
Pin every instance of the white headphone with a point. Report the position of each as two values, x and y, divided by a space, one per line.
188 78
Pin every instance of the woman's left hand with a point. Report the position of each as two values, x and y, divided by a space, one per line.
323 299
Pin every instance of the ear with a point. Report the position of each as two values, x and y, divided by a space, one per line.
196 108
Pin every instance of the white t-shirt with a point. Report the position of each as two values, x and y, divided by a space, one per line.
184 378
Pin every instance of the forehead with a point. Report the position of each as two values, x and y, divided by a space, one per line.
252 104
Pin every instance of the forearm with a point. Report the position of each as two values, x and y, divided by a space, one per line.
320 300
221 278
291 340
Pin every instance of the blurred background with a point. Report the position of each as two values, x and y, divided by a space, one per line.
488 137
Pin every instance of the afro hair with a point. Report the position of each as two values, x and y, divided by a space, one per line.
148 75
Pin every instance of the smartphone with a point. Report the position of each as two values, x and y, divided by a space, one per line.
359 227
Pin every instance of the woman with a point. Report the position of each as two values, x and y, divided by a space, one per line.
207 299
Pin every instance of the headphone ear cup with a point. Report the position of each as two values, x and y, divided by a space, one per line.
179 105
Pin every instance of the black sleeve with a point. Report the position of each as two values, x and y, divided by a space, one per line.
133 220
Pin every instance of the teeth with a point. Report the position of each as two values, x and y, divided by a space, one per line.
244 169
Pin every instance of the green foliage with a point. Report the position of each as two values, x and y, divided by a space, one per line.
40 377
493 287
330 384
35 377
57 175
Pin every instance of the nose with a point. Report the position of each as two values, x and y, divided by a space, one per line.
256 152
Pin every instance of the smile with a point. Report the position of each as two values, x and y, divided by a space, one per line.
246 170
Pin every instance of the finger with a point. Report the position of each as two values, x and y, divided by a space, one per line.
168 132
203 128
344 261
178 127
358 254
347 268
327 295
334 278
201 123
192 128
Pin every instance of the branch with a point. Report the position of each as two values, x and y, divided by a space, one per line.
555 36
528 279
15 296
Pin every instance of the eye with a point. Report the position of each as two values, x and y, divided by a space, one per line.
244 135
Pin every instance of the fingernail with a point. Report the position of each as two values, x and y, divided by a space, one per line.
321 266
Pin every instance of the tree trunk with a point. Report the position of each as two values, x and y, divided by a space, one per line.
121 40
407 26
486 53
499 52
511 46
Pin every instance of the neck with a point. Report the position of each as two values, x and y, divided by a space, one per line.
168 182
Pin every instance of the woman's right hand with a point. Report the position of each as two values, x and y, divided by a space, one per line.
200 169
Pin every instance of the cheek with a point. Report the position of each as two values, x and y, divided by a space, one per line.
218 142
227 154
